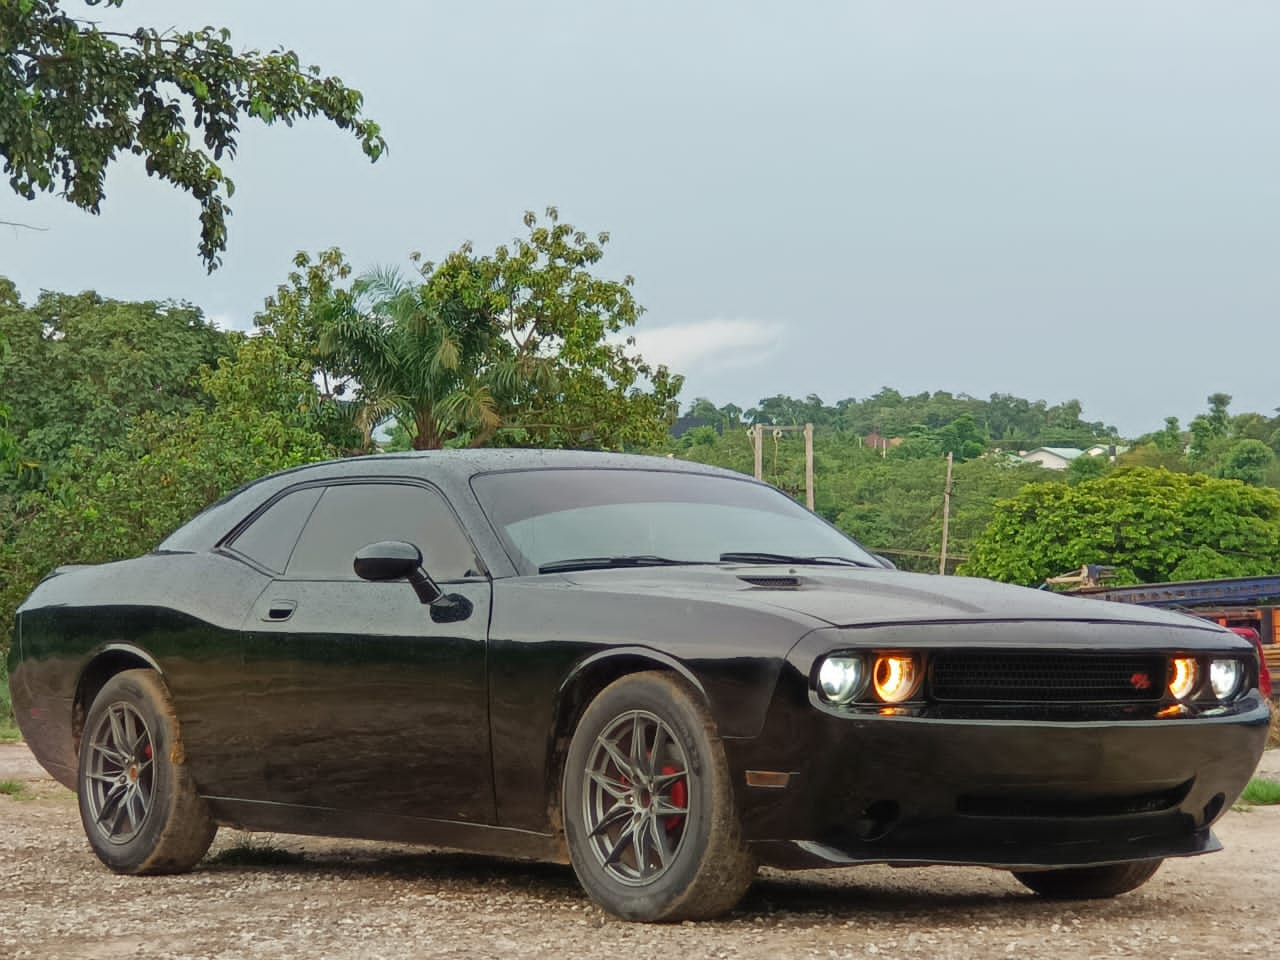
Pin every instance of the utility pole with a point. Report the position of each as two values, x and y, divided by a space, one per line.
808 466
946 516
757 442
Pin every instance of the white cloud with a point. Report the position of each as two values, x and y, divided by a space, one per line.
709 346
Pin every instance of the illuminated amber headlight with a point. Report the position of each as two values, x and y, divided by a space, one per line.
1225 677
895 677
1186 677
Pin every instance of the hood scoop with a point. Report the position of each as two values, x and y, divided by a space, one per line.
773 582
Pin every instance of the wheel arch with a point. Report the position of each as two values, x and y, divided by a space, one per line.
583 685
108 661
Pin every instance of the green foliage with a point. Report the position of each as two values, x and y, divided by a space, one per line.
80 369
728 417
1246 460
525 346
892 504
930 423
1261 792
1150 524
1085 467
13 788
119 502
9 732
961 438
74 97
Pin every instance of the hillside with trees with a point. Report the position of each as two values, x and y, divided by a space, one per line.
1172 504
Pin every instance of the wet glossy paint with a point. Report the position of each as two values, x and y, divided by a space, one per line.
350 708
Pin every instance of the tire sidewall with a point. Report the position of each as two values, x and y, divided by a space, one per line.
132 856
671 705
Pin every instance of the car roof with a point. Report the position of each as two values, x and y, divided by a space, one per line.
471 462
451 470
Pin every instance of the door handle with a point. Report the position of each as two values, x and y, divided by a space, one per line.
280 610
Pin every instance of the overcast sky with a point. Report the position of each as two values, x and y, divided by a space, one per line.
1050 199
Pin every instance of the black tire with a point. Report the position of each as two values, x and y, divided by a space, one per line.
651 824
1088 883
138 803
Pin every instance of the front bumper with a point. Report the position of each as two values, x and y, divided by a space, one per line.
1002 792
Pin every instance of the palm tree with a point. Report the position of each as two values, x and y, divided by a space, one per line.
430 354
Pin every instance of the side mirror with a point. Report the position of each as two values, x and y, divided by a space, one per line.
395 560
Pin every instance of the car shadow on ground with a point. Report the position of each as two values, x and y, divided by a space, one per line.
862 895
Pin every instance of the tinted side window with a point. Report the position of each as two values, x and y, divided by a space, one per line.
350 516
269 540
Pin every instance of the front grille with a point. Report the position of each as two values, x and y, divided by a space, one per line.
1026 677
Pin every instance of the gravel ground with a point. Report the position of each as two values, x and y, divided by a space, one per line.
343 899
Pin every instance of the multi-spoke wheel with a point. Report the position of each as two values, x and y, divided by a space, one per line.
139 807
119 772
1088 883
648 807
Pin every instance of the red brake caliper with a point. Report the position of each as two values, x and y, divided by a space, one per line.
679 798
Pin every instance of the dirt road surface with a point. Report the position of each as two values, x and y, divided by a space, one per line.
362 901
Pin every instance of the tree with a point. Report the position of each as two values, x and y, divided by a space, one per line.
80 369
1151 525
1219 418
119 502
1248 461
1170 438
961 438
295 316
74 97
427 353
1085 467
527 344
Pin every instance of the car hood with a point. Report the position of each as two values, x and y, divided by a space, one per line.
851 597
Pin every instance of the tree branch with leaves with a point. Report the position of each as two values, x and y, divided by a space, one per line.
74 98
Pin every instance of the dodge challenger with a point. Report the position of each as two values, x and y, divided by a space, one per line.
659 672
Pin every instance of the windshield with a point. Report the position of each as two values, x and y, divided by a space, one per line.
548 517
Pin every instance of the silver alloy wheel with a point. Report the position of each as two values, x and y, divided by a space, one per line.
119 781
635 804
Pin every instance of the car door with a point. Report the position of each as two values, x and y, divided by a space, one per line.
365 699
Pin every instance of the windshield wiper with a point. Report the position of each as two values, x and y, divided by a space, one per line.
605 563
753 556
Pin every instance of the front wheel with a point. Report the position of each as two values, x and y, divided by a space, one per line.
1088 883
138 803
649 815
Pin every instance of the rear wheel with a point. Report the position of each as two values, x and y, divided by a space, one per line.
138 804
1088 883
648 807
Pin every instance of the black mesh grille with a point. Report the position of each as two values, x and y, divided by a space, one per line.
774 583
996 677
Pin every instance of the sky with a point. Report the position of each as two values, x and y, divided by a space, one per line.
1055 199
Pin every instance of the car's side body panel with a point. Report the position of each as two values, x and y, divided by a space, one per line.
731 652
181 613
362 701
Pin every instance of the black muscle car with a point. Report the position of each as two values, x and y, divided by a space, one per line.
661 672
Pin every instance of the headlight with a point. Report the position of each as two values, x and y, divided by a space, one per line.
1225 677
895 677
1186 677
841 678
